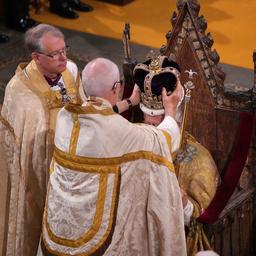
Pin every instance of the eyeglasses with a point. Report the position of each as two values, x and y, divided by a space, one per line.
56 54
116 83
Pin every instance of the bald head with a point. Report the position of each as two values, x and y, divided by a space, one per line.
98 77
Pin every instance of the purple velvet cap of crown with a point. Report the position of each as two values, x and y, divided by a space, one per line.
151 76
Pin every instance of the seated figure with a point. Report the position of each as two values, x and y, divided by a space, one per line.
195 168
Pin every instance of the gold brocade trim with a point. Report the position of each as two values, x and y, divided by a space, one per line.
74 134
78 84
54 98
87 164
168 140
96 222
169 143
90 109
36 82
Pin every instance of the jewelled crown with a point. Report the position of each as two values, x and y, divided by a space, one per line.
151 76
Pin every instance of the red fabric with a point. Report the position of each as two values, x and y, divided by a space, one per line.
234 169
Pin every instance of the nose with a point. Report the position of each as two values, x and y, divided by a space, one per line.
63 55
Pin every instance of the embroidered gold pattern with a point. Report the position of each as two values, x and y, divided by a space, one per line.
54 98
96 222
168 139
78 162
90 109
74 135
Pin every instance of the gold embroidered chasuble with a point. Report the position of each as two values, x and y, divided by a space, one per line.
27 130
112 188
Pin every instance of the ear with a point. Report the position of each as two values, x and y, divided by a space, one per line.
116 88
35 56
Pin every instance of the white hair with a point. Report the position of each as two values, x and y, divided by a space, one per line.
206 253
33 36
99 76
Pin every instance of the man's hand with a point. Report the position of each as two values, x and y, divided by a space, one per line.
170 102
134 100
135 97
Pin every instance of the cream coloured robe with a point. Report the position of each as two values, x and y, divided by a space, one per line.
27 128
112 188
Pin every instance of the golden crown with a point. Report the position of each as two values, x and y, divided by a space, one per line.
152 76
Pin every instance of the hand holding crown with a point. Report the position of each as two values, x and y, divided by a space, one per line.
170 102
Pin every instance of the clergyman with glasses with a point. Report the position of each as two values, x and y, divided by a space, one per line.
112 188
32 99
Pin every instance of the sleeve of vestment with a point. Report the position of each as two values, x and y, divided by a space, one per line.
169 125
